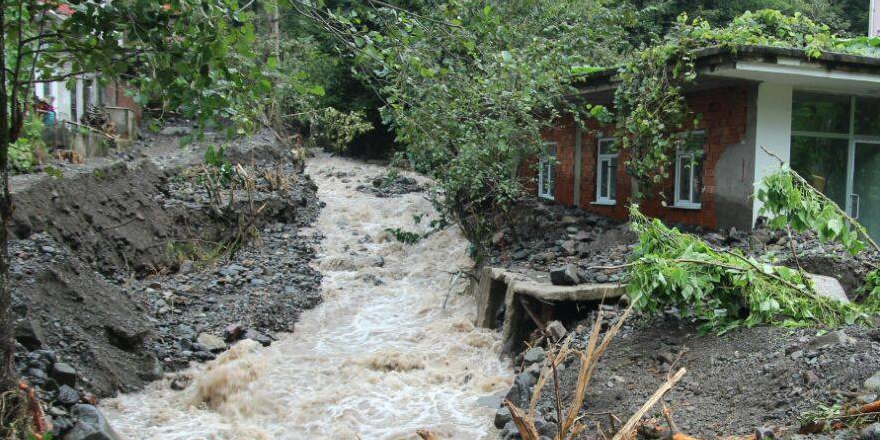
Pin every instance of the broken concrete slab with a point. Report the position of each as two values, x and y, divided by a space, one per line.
499 288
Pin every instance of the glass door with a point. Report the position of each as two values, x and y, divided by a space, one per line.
865 203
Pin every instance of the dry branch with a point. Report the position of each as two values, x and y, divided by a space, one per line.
631 423
426 435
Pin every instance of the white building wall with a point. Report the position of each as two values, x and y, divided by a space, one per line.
772 131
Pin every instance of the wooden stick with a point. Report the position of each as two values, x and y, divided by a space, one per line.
631 423
524 425
872 407
426 435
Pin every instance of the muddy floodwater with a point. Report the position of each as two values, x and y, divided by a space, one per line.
379 359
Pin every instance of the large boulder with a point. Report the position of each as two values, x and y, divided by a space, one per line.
829 288
90 425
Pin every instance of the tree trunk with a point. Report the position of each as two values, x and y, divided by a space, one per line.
7 342
277 124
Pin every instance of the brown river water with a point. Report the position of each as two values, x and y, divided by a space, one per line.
373 361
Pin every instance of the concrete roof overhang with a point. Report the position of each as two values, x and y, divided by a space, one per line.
831 72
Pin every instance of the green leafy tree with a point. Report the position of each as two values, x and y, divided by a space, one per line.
194 54
469 85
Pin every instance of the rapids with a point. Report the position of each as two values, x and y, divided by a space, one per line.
378 359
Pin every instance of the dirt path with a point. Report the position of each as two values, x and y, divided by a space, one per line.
378 359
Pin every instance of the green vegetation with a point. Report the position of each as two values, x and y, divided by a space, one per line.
725 289
25 151
651 113
791 202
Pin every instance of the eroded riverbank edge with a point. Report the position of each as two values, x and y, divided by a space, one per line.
107 291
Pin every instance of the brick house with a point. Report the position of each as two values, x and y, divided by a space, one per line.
822 115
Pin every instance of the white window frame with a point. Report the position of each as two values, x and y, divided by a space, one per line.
600 158
547 163
681 156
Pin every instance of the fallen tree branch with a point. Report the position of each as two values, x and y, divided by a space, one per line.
631 423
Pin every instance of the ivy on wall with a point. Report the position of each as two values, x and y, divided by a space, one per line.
651 112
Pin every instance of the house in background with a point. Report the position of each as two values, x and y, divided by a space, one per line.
72 98
822 115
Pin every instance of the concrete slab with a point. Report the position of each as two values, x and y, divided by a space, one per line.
498 287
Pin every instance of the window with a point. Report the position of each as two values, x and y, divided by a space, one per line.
606 173
835 141
689 173
545 173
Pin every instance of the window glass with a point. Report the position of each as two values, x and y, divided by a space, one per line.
823 163
820 112
545 173
606 147
867 116
684 177
612 179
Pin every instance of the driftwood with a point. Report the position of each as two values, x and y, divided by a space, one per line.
634 420
589 357
426 435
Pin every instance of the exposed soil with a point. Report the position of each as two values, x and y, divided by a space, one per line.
762 377
117 270
749 378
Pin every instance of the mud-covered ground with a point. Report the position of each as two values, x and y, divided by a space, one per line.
766 377
749 378
118 275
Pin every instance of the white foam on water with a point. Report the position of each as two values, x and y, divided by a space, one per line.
371 362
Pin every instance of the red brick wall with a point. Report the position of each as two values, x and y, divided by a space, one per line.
116 92
724 118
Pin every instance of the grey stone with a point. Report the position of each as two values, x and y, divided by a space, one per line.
64 374
502 417
491 401
534 355
556 329
873 383
871 432
67 396
185 267
830 339
254 335
570 247
564 276
90 425
548 429
175 131
829 288
211 342
525 380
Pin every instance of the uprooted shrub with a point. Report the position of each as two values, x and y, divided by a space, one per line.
724 289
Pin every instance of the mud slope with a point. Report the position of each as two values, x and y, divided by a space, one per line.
97 282
88 321
113 217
